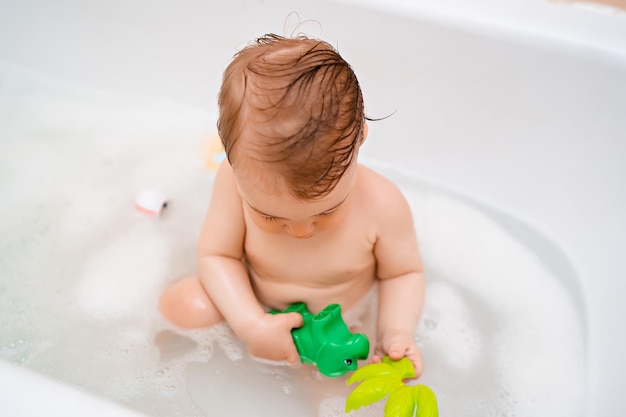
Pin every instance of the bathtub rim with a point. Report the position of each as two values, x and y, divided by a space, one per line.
576 24
53 397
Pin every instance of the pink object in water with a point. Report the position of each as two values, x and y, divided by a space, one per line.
150 202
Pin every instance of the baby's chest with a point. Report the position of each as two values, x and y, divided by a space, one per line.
323 262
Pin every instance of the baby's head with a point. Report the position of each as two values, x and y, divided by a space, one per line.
294 108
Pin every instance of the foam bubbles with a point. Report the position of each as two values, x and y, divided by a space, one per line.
507 330
450 328
122 273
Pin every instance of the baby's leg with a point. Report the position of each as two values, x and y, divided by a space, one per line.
186 304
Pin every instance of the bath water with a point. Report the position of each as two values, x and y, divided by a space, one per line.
502 333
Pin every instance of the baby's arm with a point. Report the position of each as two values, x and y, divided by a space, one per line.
225 278
401 278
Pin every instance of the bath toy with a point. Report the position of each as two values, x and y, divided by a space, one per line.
150 202
325 341
377 380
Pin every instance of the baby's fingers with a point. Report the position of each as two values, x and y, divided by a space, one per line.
293 358
395 347
397 351
293 320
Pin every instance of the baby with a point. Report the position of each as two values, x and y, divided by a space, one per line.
293 216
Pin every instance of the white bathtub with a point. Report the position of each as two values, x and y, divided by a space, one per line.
519 106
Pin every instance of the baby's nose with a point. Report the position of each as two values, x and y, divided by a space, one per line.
301 230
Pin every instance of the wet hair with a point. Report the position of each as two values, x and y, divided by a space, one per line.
295 104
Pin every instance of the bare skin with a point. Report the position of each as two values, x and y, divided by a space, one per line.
260 247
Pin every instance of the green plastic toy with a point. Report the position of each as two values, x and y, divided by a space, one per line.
377 380
325 341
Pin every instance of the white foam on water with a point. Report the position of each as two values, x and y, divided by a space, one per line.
140 256
81 271
496 319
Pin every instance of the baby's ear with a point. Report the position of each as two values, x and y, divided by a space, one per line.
365 130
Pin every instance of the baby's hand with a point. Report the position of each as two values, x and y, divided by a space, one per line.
270 338
398 344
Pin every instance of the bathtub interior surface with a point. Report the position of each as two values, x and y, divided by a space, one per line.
531 124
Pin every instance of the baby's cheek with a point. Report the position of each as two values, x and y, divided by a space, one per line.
273 227
268 226
330 222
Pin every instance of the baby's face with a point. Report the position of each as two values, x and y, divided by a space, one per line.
269 204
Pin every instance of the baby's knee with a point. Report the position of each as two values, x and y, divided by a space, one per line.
186 304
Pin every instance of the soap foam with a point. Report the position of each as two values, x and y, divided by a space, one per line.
500 312
81 273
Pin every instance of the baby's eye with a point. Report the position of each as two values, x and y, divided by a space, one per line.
269 218
327 213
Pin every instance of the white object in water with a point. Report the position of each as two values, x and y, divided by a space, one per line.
150 202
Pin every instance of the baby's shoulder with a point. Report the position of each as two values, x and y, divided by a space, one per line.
378 192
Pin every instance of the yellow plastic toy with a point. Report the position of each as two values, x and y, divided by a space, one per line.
377 380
